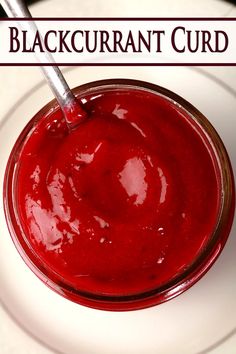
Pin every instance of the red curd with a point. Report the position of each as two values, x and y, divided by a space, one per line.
122 212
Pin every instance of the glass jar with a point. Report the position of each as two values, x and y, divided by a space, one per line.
178 282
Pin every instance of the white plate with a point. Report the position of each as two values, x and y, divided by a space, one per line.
201 318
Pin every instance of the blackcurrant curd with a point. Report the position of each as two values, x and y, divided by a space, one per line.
128 209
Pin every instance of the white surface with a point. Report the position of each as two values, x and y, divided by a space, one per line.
188 324
193 321
133 8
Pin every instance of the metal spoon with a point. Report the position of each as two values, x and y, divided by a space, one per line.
70 106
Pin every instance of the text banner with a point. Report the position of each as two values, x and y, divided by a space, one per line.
119 41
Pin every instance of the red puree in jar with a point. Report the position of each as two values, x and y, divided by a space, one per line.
126 201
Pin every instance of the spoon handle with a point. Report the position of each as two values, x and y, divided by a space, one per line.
70 106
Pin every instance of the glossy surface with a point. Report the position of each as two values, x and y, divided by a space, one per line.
122 204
